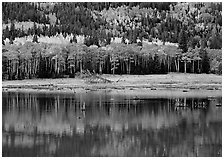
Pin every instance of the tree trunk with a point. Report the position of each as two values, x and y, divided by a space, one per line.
185 66
168 62
129 69
198 67
100 69
81 66
193 67
114 66
8 68
121 64
56 65
175 64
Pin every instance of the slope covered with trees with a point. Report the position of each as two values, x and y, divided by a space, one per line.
118 38
165 21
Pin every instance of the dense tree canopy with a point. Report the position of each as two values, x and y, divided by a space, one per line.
111 37
33 60
130 20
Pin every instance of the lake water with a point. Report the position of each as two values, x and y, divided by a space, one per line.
104 124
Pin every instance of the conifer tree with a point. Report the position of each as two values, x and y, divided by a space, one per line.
6 32
35 39
12 31
156 64
183 40
205 61
216 39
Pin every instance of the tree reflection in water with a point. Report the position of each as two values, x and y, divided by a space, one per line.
101 124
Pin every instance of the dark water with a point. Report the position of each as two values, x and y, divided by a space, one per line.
102 124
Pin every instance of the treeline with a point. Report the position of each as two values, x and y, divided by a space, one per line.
36 12
11 32
188 24
51 61
23 11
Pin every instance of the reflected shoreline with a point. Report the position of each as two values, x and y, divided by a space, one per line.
104 124
132 91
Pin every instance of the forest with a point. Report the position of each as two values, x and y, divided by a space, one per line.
192 30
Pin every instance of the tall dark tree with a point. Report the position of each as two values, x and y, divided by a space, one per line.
34 28
156 64
203 42
12 30
183 40
205 61
11 40
35 39
6 32
216 39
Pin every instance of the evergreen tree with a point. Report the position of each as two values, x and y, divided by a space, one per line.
183 40
123 40
205 61
11 40
156 64
108 39
35 39
216 39
6 32
203 42
74 39
163 38
12 31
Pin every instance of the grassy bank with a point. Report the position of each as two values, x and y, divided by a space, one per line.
154 83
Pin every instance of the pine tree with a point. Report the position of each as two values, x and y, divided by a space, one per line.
12 31
34 28
156 64
183 40
108 39
11 40
205 61
74 39
203 42
35 39
216 39
6 32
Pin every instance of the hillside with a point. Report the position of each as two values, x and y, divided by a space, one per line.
199 23
51 40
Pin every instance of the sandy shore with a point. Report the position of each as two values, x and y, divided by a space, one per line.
142 84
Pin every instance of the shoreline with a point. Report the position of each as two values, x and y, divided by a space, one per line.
174 83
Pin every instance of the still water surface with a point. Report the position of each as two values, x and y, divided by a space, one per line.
102 124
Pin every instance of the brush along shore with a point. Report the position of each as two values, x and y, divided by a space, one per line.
185 83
